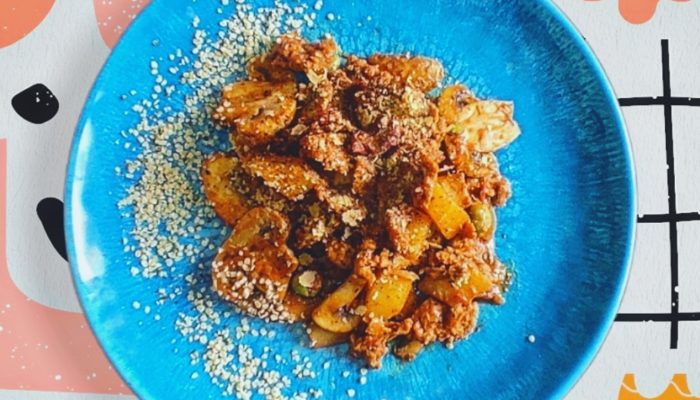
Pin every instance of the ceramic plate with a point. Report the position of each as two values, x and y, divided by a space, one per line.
566 233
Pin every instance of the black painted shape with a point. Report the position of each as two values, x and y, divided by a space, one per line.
671 182
658 317
50 212
663 218
673 217
36 104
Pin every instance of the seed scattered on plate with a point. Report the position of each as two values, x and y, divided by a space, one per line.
172 238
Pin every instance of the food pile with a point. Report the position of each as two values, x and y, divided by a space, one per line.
361 199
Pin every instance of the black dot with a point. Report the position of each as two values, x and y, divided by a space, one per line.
36 104
50 212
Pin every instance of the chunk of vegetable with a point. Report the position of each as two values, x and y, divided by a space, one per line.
307 284
322 338
333 313
456 188
260 223
487 125
258 110
387 296
445 212
237 271
452 102
409 230
290 176
298 307
421 73
479 285
410 350
256 252
483 218
228 202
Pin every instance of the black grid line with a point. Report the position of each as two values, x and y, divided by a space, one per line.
657 317
673 217
662 218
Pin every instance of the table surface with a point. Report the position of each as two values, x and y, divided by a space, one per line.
48 352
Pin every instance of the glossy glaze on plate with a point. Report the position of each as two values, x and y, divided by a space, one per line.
569 225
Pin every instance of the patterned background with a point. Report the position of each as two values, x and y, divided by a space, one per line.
50 52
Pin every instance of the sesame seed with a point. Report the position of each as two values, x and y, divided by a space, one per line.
351 392
531 338
168 211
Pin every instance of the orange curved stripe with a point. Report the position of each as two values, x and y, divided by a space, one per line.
42 348
676 390
114 16
19 17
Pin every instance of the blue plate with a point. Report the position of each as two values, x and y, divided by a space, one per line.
567 232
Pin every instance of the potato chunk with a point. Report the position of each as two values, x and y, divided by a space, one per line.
452 102
409 230
333 313
388 294
320 337
258 110
478 285
420 73
290 176
456 188
217 179
445 212
253 266
261 223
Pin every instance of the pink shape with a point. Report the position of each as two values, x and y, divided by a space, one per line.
42 348
114 16
19 17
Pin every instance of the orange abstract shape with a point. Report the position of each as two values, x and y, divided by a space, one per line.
676 390
114 16
19 17
639 11
42 348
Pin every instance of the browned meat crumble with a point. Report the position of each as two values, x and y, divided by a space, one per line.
361 203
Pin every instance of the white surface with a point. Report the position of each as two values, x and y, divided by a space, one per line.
66 57
631 56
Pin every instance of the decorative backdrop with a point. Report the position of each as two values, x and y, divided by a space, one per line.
51 51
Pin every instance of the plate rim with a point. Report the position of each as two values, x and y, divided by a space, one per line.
598 335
